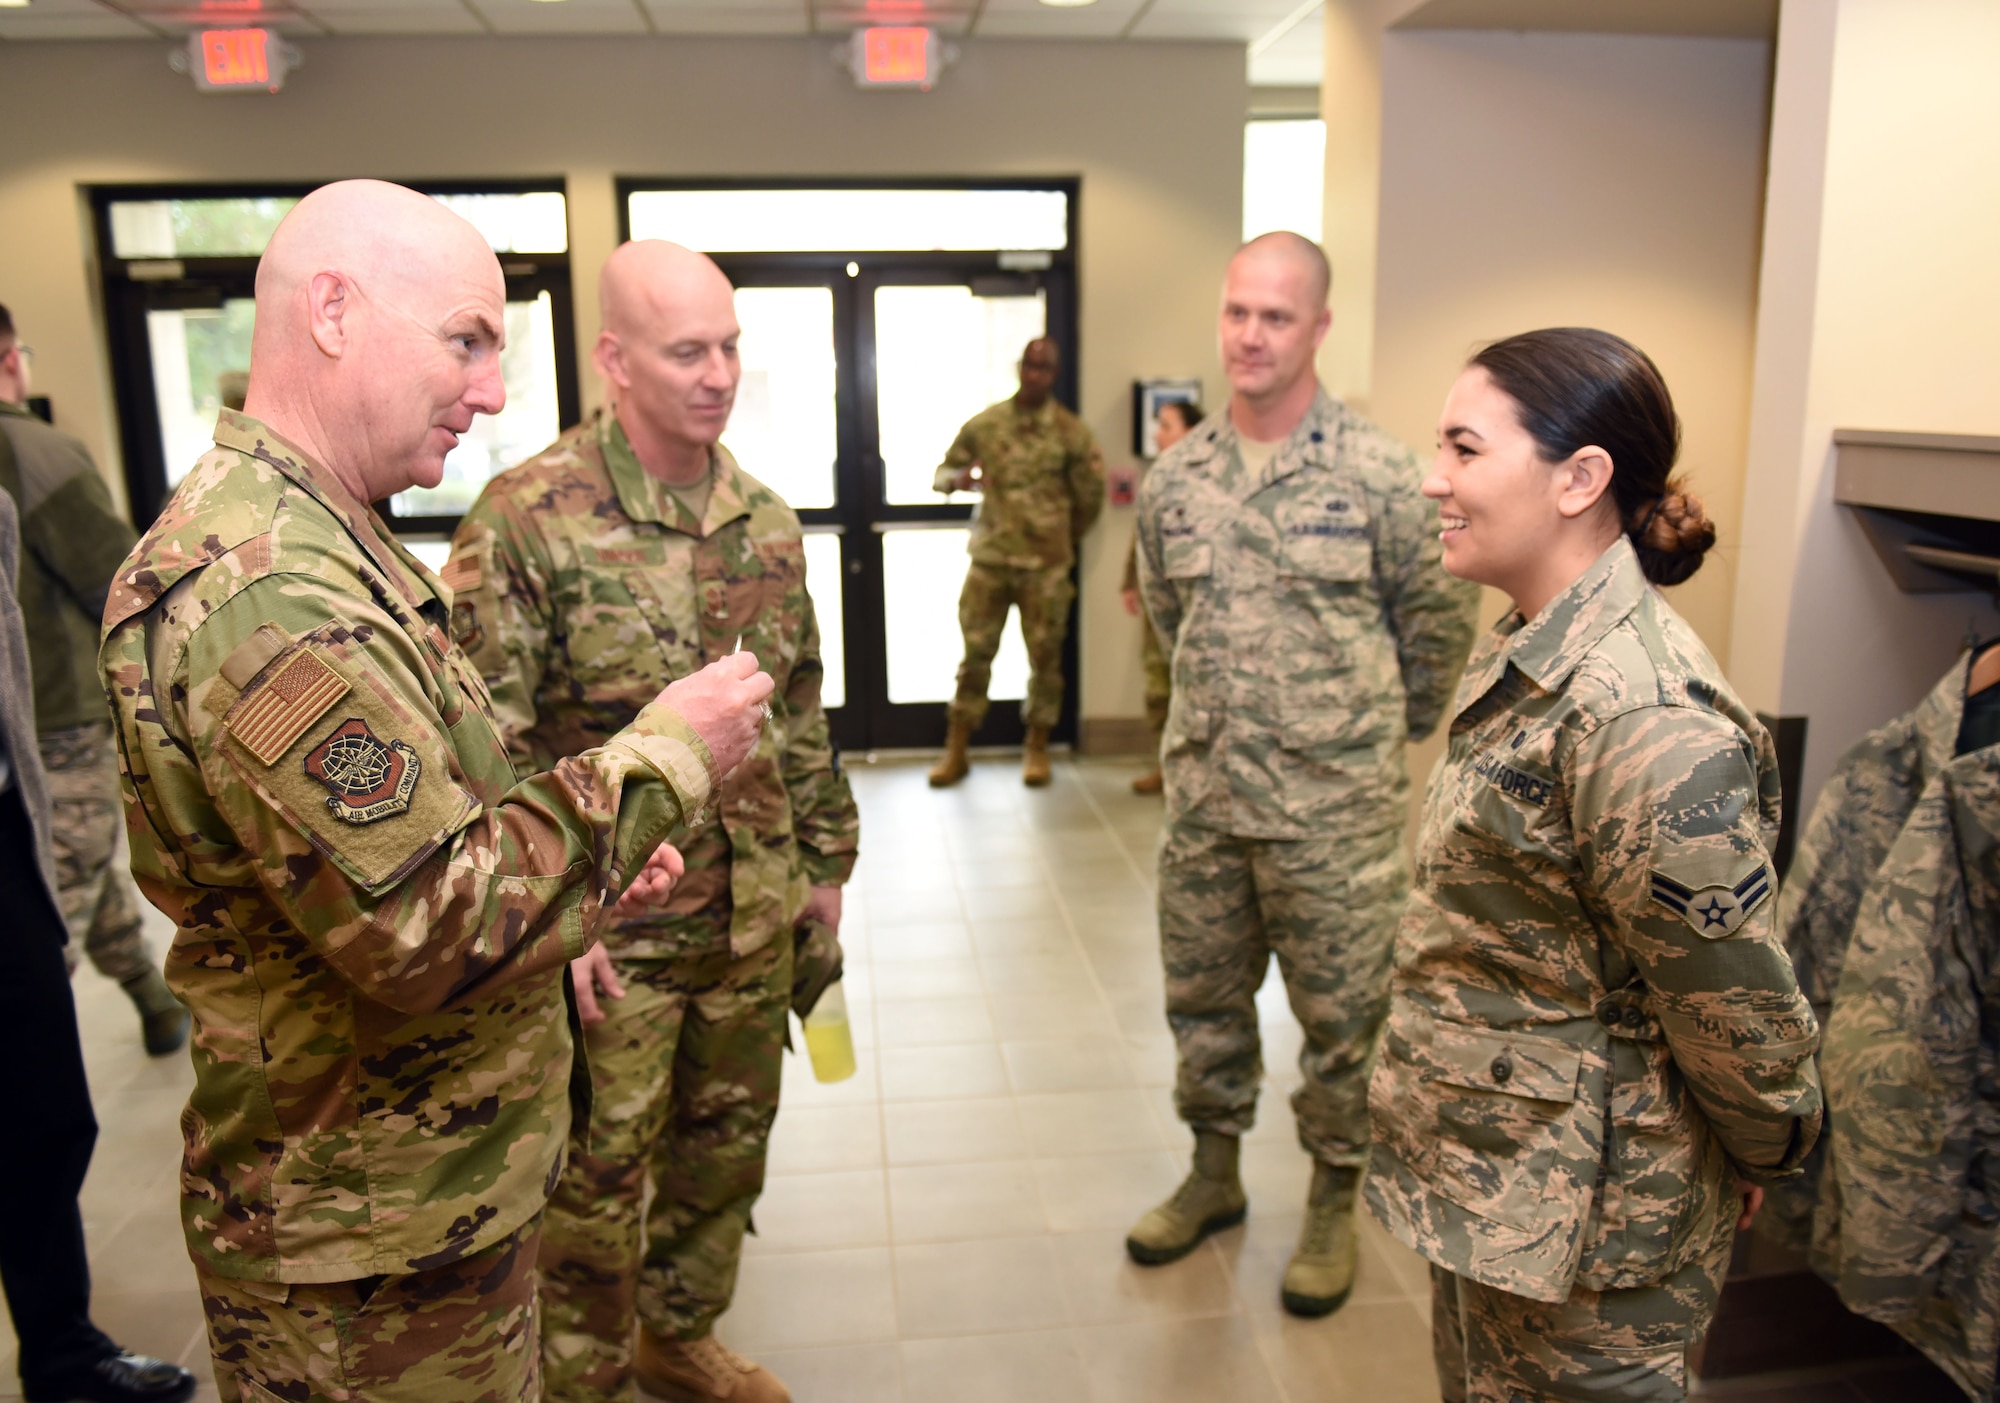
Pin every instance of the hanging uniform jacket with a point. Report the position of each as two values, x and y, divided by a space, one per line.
1908 1220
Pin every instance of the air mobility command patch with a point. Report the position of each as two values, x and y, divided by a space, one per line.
1718 910
367 778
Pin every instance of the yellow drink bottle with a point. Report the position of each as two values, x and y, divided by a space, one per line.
829 1039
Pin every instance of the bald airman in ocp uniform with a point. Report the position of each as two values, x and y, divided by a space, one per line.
374 914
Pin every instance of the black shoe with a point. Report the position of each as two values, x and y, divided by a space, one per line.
117 1378
165 1031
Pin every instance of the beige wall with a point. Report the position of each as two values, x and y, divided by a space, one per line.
1154 130
1880 260
1610 181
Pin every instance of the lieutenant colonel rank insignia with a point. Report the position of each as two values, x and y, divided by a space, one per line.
1716 911
367 778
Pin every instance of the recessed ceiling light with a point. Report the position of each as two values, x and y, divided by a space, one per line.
1068 4
13 4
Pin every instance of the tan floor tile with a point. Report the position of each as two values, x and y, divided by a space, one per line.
1359 1354
935 940
1138 1011
1179 1361
1276 1175
799 1089
812 1139
1033 1367
1153 1057
1027 903
928 1022
1411 1271
1105 1191
1105 1287
963 1288
1088 1122
959 1202
1255 1256
1072 1013
904 906
1049 974
906 875
160 1323
801 1299
953 1132
927 979
844 1374
1128 967
1042 936
989 871
938 1073
1067 1064
809 1212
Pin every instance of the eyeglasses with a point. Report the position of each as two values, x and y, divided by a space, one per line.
27 351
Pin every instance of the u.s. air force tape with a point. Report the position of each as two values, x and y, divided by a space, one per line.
1717 910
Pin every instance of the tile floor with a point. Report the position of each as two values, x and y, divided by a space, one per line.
946 1225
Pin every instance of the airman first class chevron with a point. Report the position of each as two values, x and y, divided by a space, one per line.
266 722
1713 911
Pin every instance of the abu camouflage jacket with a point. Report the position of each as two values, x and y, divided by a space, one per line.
373 915
583 587
1908 1220
1312 627
1593 1027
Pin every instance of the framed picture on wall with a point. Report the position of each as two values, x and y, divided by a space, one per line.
1147 397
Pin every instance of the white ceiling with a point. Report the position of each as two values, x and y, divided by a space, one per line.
1283 36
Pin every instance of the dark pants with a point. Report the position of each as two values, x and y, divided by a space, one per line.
51 1128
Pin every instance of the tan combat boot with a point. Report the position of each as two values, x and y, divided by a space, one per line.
1210 1199
702 1371
1152 782
1321 1271
952 768
1035 758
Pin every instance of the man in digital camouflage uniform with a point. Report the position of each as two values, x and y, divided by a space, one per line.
1286 550
373 914
627 554
1041 483
74 540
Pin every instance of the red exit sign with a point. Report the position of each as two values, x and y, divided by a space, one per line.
239 60
895 56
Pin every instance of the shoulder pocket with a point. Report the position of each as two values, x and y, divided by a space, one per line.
354 769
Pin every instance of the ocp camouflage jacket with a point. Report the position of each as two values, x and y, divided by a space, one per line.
1592 1025
373 915
1908 1221
1312 627
584 587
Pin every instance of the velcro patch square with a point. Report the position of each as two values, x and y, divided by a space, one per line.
270 718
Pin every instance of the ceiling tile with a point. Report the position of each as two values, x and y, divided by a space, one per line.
354 20
719 19
1296 59
568 17
1213 19
91 23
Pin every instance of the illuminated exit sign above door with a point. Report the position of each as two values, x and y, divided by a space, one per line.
896 56
237 60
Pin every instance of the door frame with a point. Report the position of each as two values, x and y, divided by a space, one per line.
868 721
207 282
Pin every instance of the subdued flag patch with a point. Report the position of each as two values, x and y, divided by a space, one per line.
1714 911
461 573
269 719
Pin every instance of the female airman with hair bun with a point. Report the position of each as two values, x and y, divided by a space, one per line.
1596 1045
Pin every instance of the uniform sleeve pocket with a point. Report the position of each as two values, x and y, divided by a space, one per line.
1503 1105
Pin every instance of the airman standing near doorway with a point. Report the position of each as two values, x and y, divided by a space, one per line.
1041 479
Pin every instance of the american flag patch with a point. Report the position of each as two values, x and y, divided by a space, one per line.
267 721
461 573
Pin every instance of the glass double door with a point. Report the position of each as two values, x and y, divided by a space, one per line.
857 375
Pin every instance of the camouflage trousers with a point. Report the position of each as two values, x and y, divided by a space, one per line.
1159 676
463 1333
1043 595
1627 1346
1328 909
684 1073
99 904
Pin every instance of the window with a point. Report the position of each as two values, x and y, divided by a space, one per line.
1284 176
860 221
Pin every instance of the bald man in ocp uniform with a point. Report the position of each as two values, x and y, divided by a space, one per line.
373 912
630 552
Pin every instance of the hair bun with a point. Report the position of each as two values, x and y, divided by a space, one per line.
1673 535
